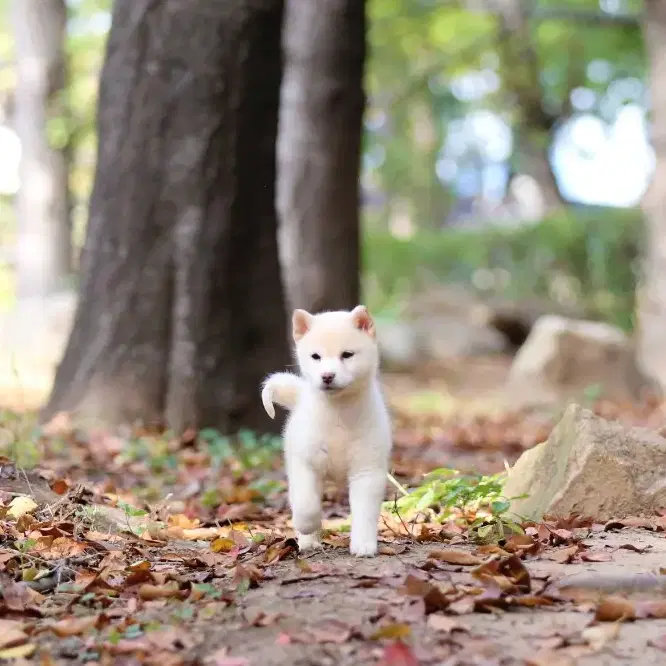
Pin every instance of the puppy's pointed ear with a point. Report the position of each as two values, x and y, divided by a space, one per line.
363 321
301 322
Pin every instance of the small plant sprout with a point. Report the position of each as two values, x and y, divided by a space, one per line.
446 494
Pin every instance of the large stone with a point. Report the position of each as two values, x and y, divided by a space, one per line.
563 359
516 318
439 338
399 345
446 337
591 467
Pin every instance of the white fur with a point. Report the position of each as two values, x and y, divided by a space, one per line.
344 432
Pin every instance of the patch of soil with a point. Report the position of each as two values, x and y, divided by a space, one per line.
312 615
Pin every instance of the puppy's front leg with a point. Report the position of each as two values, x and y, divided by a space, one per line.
305 489
366 492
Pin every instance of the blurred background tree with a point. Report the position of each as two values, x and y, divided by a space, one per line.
319 152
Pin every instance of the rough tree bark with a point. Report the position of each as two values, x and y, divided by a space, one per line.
181 312
44 232
651 299
319 150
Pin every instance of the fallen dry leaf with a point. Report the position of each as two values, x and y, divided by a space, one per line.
393 631
384 549
562 555
280 550
398 654
258 618
462 606
522 544
615 609
654 609
598 556
247 576
222 545
74 626
636 549
330 631
181 520
431 594
62 547
492 549
444 623
150 592
21 505
16 596
59 486
507 573
455 557
18 652
531 601
12 634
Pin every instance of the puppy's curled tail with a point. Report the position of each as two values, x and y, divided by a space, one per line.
282 388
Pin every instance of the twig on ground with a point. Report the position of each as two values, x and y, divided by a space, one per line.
402 522
401 489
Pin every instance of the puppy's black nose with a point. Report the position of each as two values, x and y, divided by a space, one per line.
328 378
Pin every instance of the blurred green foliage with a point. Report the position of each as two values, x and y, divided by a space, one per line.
417 49
588 258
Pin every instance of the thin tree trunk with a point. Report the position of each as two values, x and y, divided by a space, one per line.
319 149
521 77
44 232
181 313
652 293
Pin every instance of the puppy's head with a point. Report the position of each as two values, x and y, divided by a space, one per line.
336 350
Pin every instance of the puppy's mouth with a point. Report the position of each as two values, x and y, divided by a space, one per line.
330 388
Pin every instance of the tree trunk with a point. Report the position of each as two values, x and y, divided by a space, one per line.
319 149
181 312
521 79
44 232
651 299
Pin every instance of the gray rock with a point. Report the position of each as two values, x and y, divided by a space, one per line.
399 346
563 358
406 343
591 467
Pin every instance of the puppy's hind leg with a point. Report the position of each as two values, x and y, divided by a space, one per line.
366 492
305 490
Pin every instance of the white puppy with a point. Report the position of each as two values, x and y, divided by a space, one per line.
338 425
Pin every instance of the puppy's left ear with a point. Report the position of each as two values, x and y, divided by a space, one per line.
363 321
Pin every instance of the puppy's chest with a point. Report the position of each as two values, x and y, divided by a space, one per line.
335 451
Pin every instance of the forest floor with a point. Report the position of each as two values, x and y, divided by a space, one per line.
136 548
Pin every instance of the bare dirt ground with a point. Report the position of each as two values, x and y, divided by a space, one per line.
210 574
367 595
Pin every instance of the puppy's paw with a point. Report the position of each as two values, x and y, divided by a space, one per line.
309 541
363 548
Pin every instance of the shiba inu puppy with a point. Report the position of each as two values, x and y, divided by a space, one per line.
338 423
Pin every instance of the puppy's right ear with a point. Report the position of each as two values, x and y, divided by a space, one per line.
301 322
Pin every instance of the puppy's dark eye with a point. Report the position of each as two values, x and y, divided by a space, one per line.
316 357
345 355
